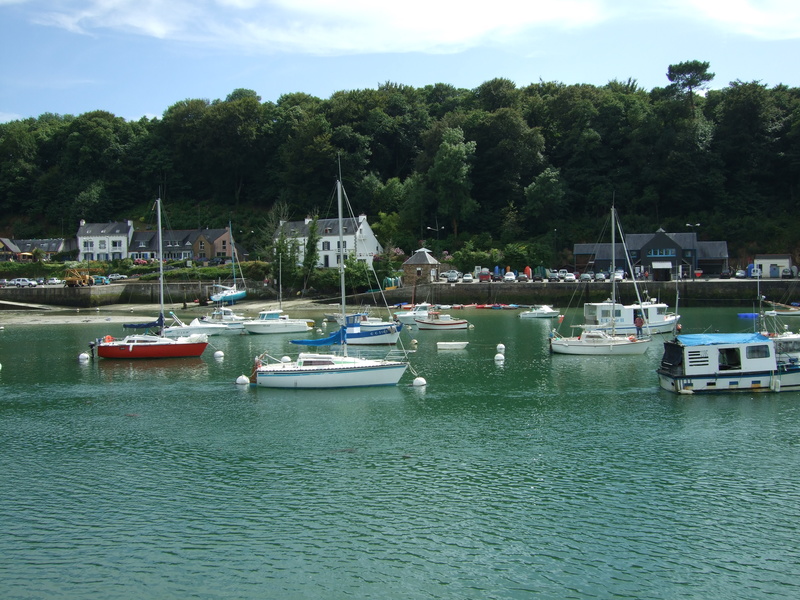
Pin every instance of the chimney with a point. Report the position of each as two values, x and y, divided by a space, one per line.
308 220
83 223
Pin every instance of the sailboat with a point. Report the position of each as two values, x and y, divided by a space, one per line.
230 294
593 341
148 345
312 370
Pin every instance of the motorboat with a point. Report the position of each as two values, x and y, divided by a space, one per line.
179 328
276 321
436 320
412 313
599 315
542 311
730 362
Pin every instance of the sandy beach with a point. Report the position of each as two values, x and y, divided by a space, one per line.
130 313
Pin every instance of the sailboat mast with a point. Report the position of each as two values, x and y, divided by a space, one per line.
160 263
233 253
341 262
613 270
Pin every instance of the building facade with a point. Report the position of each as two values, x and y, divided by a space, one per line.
663 255
358 239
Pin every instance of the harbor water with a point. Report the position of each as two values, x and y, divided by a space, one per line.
539 476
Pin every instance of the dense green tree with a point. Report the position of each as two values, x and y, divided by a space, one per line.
449 178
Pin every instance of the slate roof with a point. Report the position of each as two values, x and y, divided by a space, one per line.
111 228
421 257
324 227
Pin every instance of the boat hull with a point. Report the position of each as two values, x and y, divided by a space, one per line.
120 350
290 376
257 327
442 325
598 348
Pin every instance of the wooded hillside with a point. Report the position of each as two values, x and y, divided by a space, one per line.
526 169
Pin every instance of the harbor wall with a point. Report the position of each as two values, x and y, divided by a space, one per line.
691 293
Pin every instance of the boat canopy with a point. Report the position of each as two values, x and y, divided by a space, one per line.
715 339
157 323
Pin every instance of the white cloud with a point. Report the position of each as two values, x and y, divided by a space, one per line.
765 19
375 26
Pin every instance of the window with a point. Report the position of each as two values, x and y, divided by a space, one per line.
343 245
656 252
202 246
326 245
88 244
729 358
758 351
116 244
101 244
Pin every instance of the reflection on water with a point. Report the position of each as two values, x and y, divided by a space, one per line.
546 476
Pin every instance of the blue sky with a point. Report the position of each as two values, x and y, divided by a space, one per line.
136 58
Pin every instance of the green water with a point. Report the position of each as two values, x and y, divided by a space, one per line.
541 476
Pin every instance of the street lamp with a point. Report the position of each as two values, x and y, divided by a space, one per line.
436 229
694 247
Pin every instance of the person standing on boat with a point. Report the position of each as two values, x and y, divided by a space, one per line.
639 322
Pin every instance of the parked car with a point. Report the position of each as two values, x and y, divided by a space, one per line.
522 278
484 275
562 273
570 278
23 282
601 277
467 278
741 274
452 277
116 276
786 274
756 273
553 277
497 277
536 277
54 281
101 280
725 275
4 282
586 278
509 276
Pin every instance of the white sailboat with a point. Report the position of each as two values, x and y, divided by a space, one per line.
597 341
229 294
327 370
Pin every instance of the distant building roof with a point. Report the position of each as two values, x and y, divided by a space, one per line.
421 257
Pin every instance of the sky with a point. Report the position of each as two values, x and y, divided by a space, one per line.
137 58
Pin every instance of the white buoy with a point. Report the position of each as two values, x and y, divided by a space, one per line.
219 354
319 330
419 382
499 357
83 357
242 380
501 348
413 342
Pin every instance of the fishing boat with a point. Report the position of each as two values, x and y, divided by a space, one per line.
229 294
439 321
730 362
276 321
451 345
599 315
314 370
151 345
542 311
592 341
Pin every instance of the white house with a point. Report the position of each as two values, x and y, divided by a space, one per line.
104 241
357 235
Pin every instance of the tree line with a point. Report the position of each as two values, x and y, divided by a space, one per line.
493 173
